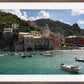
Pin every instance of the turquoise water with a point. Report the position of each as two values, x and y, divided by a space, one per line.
39 64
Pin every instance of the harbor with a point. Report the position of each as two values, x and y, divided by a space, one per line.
40 64
41 45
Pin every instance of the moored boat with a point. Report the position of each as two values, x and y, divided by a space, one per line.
23 56
15 53
21 53
48 54
1 55
29 55
79 59
70 67
9 52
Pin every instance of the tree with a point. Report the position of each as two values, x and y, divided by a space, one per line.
29 29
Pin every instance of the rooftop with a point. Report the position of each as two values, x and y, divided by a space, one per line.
28 36
37 37
7 28
71 36
24 33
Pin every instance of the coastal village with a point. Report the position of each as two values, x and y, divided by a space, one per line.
40 46
37 40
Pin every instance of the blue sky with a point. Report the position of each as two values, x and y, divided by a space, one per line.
69 16
62 15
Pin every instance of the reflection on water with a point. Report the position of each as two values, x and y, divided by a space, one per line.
73 73
39 64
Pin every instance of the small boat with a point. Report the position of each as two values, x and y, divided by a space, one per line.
48 54
23 56
70 67
9 52
79 59
1 55
15 53
29 55
21 53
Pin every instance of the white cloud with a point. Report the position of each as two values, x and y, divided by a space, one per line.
32 18
60 20
43 14
77 12
80 22
24 15
16 12
63 21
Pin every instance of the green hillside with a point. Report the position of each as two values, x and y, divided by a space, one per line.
6 19
63 28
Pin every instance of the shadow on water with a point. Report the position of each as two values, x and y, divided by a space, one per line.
80 61
75 73
48 56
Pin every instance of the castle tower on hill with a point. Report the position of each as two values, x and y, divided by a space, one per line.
46 31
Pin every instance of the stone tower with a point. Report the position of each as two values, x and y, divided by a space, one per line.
46 31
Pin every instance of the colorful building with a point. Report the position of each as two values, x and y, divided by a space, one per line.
31 23
36 33
21 36
75 40
57 39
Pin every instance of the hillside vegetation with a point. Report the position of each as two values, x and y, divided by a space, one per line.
63 28
7 19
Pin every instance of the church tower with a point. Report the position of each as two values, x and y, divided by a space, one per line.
46 31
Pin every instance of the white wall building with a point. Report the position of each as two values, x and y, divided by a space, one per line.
15 25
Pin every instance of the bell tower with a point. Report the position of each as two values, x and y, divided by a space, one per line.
46 31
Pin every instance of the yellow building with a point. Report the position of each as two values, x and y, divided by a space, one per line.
36 33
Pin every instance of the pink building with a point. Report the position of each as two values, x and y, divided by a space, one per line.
31 23
57 39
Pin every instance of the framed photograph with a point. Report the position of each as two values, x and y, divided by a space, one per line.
42 1
42 42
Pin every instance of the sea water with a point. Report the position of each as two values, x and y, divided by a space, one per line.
39 64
